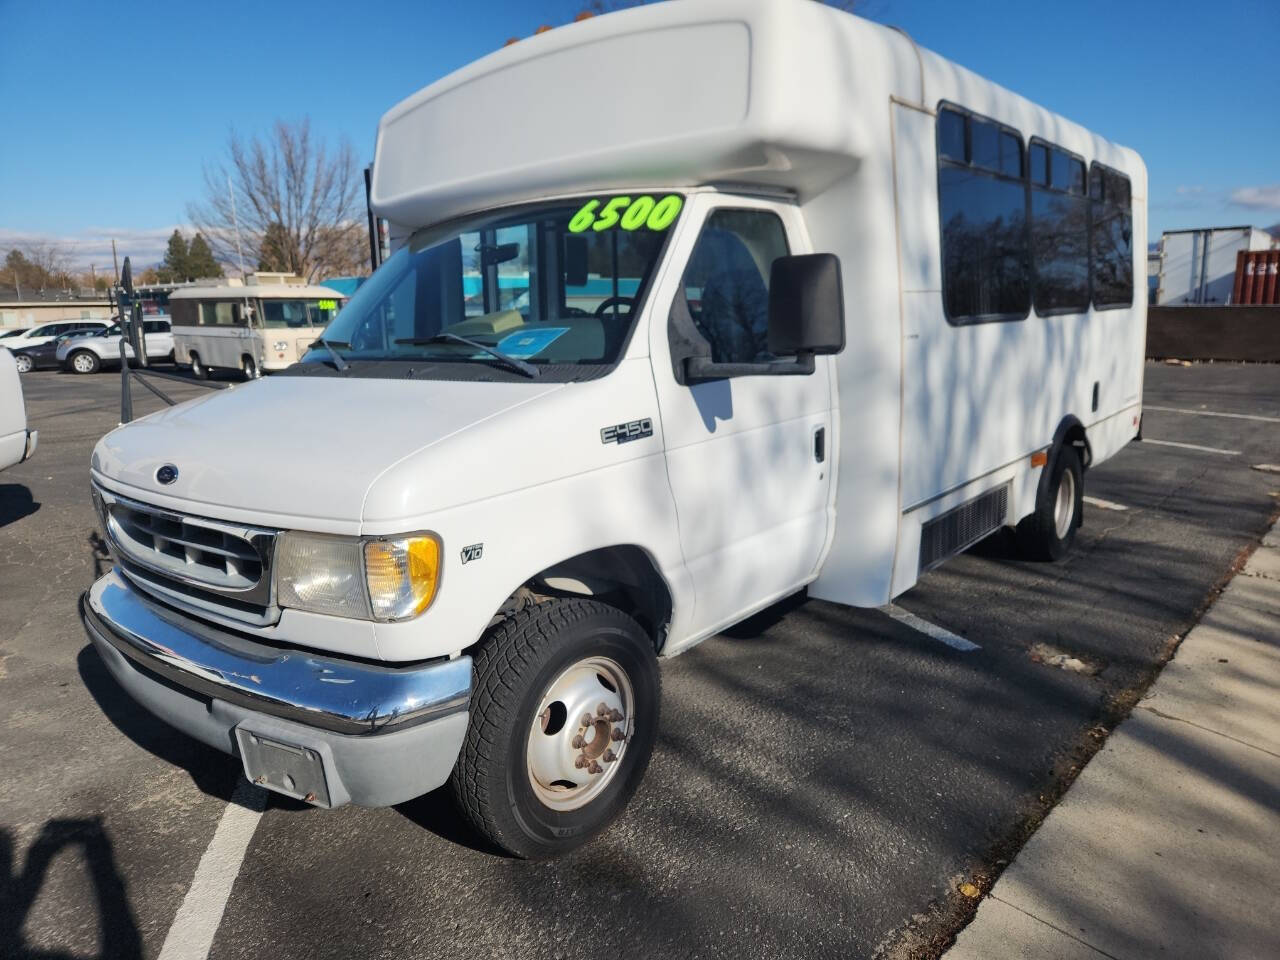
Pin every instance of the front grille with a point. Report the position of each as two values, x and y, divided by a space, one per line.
209 555
962 527
212 565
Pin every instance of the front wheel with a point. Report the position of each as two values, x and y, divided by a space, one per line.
85 361
24 363
564 716
249 368
198 369
1049 532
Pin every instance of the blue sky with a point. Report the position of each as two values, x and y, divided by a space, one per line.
110 110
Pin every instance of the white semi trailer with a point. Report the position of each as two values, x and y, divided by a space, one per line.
741 298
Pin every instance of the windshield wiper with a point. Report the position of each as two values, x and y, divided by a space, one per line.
339 364
528 369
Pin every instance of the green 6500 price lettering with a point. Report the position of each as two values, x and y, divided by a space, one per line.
627 213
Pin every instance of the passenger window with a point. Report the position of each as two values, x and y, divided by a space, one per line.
983 208
727 282
1059 233
1111 238
216 314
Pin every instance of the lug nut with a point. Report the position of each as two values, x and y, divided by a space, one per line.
615 716
609 756
580 761
594 767
602 710
577 742
587 720
617 736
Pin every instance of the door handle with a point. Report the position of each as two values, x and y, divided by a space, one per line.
820 444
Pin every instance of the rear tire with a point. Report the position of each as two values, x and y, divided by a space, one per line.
1048 533
198 369
533 778
24 363
84 362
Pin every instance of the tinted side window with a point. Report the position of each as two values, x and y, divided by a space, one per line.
983 209
727 282
216 314
1059 231
1112 238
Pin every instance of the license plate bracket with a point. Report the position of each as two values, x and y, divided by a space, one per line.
295 770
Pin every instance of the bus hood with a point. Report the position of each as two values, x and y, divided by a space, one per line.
294 451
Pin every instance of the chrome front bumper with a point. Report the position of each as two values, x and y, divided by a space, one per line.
382 733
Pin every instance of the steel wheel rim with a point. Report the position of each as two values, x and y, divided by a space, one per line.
81 363
1065 504
569 763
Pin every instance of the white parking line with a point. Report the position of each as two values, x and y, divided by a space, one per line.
929 629
1191 446
191 934
1212 413
1104 504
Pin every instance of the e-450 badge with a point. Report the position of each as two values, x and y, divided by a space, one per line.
626 432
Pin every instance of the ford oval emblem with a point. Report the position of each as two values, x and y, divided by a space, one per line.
167 474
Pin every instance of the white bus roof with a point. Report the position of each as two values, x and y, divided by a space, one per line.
266 291
771 93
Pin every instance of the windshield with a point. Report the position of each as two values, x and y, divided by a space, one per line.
297 313
553 284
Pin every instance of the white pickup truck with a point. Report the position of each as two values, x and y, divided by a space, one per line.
744 298
17 443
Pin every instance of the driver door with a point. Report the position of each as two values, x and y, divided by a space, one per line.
747 455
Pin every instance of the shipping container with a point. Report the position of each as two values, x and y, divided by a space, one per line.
1256 277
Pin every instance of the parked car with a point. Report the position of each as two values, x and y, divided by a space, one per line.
46 354
91 352
16 332
45 332
17 443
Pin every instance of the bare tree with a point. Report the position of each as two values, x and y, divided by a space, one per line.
299 205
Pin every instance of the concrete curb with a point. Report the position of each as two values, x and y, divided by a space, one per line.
1165 844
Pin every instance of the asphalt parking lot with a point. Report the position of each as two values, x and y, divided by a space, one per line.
825 777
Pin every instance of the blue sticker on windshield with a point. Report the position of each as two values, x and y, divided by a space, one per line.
527 343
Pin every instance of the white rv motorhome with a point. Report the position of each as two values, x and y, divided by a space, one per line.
253 328
811 307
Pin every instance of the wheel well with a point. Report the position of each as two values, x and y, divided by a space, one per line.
1072 434
622 576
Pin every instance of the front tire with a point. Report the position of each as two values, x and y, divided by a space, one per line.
1049 532
564 716
24 363
198 369
248 368
84 362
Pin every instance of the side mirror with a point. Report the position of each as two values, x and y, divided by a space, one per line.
806 305
575 261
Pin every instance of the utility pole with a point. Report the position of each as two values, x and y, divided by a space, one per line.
114 260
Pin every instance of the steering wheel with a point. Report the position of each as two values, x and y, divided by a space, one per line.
602 308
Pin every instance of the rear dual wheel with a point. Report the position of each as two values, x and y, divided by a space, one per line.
1047 534
564 715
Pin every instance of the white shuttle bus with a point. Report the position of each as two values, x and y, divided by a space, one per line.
811 307
253 328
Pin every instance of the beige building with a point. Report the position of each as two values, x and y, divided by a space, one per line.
33 313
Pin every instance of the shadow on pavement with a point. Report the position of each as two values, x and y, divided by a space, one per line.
213 772
118 930
16 502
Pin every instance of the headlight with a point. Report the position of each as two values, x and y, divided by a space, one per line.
280 345
392 579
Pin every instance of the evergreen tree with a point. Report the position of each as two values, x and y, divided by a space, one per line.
200 259
274 250
174 269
